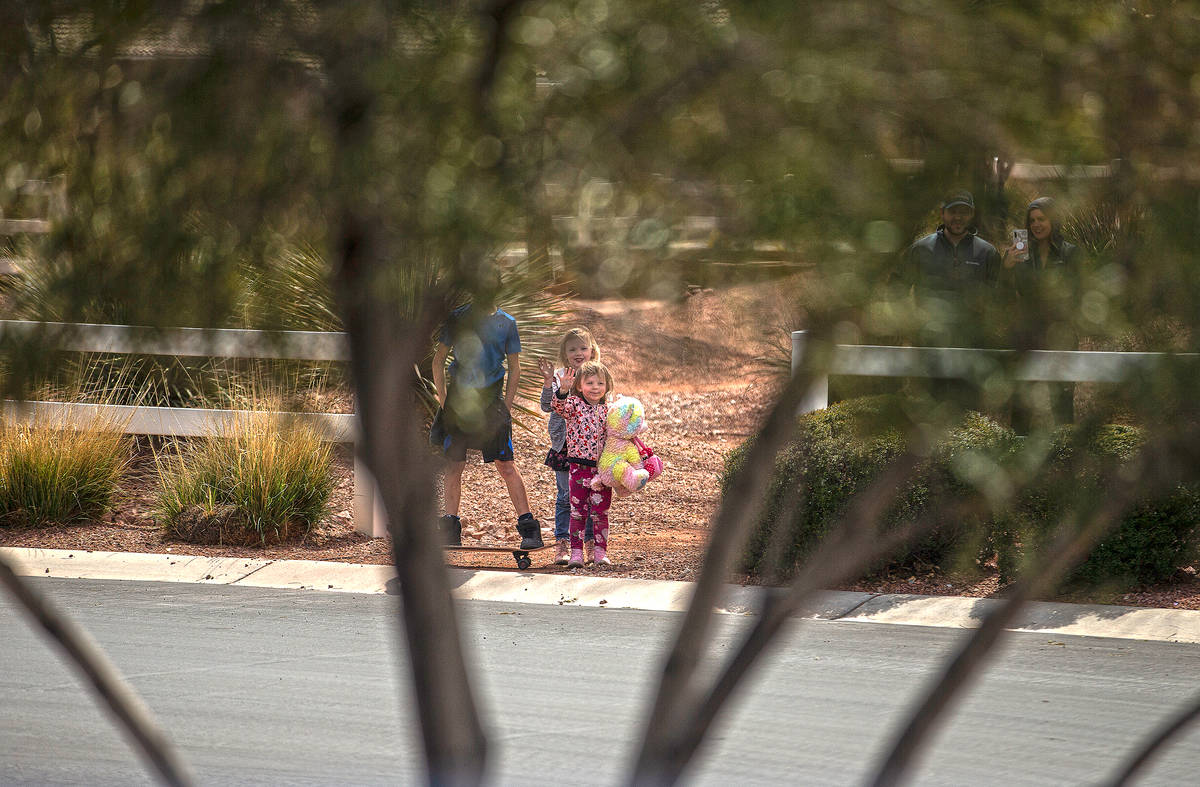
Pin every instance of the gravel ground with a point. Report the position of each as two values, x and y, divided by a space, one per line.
704 390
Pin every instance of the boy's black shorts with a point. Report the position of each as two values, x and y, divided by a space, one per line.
474 420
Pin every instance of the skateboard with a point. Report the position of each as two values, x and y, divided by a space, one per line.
519 555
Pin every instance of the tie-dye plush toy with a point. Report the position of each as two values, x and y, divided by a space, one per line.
621 465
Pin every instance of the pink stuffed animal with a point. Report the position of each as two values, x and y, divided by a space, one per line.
650 460
622 464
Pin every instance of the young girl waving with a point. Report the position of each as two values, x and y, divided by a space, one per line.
585 410
576 347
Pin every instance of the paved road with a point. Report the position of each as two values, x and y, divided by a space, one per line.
266 686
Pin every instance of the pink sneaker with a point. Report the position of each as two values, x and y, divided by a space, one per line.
600 557
576 559
561 551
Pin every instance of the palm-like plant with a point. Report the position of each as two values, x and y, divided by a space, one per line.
293 292
539 311
1102 228
290 291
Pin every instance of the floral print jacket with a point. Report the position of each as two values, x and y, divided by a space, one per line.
585 426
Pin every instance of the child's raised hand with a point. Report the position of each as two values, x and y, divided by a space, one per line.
547 370
566 378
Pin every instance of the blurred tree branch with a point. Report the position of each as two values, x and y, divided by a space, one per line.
658 760
386 349
500 15
852 545
1145 752
127 708
1160 464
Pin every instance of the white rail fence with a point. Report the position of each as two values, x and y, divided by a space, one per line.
368 512
1066 366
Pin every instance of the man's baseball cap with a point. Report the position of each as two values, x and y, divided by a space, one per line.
959 198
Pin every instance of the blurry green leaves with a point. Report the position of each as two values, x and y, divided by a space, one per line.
604 62
650 234
534 31
486 151
783 120
33 123
178 169
883 237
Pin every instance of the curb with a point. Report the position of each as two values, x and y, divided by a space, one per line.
1092 620
466 584
1078 620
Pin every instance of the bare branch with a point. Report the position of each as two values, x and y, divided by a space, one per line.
677 691
385 349
1155 741
772 561
1068 548
115 694
854 544
500 14
692 81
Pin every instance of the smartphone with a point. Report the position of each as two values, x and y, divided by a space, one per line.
1020 243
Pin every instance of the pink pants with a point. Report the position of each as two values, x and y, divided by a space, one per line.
585 501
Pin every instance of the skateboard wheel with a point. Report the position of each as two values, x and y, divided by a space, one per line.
524 563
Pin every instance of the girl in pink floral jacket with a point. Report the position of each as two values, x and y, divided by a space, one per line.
582 401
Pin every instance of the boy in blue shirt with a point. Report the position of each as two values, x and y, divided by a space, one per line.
476 408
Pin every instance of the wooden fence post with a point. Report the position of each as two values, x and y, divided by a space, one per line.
370 517
817 396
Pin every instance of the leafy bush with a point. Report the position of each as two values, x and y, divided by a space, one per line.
839 451
1148 544
50 473
259 481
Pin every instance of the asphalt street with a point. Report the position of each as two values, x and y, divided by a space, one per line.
270 686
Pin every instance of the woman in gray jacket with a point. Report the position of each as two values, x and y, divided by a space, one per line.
1046 282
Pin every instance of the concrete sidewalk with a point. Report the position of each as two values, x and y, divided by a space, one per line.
1094 620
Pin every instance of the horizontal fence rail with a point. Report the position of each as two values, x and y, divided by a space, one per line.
171 421
194 422
24 226
1066 366
189 342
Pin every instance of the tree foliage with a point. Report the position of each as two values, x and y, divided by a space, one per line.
402 141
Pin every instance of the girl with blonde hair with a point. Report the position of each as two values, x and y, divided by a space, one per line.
577 347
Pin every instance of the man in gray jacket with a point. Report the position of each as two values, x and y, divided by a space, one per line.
953 274
953 257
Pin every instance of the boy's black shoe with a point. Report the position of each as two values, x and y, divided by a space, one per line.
451 527
531 532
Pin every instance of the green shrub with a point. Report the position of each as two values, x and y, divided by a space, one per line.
1147 545
260 481
839 451
50 473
